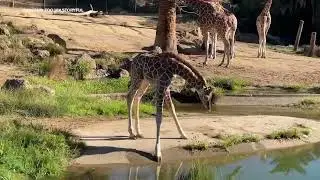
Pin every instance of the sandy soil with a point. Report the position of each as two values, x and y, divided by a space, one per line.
108 142
106 33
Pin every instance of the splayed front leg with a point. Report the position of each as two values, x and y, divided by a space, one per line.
159 105
172 110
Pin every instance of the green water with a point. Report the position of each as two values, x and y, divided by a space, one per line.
302 163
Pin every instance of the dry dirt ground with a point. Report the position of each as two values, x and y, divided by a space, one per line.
127 33
108 142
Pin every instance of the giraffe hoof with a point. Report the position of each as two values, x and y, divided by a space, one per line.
158 159
132 136
184 136
139 135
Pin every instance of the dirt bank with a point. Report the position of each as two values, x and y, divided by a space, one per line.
108 143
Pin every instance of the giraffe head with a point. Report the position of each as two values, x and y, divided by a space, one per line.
207 96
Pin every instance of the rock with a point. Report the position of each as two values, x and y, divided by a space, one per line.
58 68
188 49
15 84
43 89
57 39
186 96
4 30
41 53
102 73
90 65
117 73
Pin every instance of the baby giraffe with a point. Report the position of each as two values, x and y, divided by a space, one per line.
158 69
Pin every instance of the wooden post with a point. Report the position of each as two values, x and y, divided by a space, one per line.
76 3
13 3
312 44
44 4
296 44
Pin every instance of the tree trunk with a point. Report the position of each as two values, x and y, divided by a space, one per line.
166 28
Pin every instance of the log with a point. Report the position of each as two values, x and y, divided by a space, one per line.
312 44
296 44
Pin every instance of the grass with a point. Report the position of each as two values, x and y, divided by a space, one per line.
70 99
291 133
198 171
31 152
307 103
197 146
228 84
231 140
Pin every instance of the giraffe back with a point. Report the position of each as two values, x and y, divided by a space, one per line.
161 67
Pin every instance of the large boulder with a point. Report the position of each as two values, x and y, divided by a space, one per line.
84 67
57 39
58 68
15 84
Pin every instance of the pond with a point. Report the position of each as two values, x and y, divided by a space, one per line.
286 164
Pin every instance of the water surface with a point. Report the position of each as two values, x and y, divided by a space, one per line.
301 163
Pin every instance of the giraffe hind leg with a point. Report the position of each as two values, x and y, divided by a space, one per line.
226 50
134 86
141 91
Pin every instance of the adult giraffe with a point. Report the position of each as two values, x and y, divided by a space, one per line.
263 24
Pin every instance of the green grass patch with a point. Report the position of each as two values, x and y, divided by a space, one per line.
70 99
296 132
31 152
102 86
231 140
197 146
228 84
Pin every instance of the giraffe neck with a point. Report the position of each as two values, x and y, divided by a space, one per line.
186 71
267 6
199 6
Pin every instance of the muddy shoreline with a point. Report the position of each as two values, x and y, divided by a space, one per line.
108 145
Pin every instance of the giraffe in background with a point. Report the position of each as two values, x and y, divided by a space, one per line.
212 22
233 23
263 24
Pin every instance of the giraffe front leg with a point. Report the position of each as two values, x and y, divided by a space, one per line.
170 105
207 48
214 46
159 106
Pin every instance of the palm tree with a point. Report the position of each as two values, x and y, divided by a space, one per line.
166 28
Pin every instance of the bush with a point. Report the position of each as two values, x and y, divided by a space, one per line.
54 49
79 70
